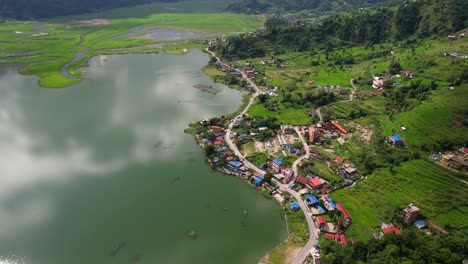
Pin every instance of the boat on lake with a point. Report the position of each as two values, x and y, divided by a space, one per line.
115 249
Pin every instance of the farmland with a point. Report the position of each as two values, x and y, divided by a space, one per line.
437 192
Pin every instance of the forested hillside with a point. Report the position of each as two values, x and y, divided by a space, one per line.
38 9
276 6
409 21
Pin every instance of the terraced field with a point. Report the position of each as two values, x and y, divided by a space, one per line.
437 192
431 122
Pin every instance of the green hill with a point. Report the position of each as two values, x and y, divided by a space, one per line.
278 6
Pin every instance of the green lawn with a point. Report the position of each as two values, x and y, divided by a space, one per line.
285 116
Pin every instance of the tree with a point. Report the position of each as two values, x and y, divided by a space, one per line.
268 177
395 67
209 150
262 98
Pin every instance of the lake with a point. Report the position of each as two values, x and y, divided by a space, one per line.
86 167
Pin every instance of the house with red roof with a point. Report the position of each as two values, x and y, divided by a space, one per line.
320 222
216 129
343 240
339 159
346 216
392 229
302 180
315 183
339 127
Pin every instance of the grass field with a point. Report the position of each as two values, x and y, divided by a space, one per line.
437 192
284 116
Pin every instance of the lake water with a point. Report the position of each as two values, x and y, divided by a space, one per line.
86 167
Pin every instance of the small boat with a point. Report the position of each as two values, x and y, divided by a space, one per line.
192 234
117 248
174 179
226 209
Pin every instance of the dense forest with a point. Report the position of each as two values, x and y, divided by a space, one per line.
38 9
412 246
278 6
408 21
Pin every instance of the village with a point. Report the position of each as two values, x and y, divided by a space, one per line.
305 158
302 157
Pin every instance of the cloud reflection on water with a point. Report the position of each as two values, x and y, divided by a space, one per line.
132 109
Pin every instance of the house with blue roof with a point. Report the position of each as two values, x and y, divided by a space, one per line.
223 149
277 165
311 199
258 180
294 206
321 210
420 223
332 203
395 140
234 165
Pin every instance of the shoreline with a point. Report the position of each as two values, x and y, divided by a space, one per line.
248 171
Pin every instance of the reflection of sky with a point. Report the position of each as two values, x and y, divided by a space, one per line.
96 128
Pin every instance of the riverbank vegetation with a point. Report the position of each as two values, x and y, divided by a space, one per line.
44 47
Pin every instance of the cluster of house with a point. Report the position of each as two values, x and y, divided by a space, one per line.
224 160
457 160
378 81
411 214
321 206
453 37
313 133
279 170
346 169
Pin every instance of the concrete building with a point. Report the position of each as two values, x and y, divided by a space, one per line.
410 213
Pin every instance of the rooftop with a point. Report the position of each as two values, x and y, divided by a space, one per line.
392 229
278 161
396 138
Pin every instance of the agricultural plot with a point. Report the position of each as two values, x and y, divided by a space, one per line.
431 122
437 192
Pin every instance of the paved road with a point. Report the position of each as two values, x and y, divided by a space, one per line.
302 256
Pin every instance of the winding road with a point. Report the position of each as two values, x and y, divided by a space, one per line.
313 233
